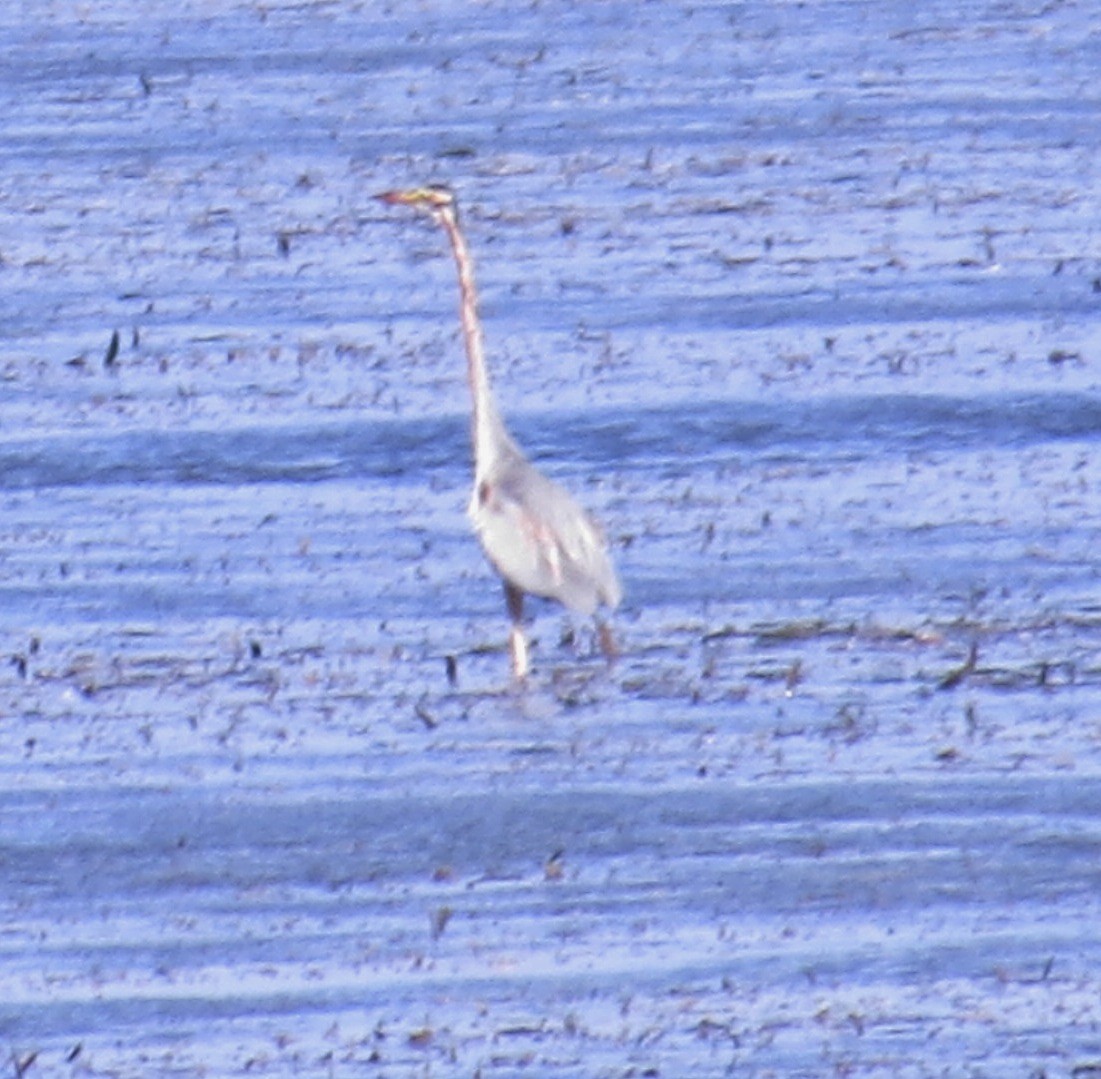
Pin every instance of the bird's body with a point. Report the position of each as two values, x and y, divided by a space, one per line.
537 538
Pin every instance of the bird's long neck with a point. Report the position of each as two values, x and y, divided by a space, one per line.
487 429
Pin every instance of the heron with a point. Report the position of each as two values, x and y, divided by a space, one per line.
533 533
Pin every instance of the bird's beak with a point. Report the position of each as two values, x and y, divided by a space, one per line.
425 198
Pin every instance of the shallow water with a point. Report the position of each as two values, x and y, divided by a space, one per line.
803 301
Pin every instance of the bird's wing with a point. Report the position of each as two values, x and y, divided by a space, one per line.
541 540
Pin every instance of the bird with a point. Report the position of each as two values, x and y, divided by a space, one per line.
534 535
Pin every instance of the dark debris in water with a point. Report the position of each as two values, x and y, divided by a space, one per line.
814 335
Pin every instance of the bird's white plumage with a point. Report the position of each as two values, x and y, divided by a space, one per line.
540 539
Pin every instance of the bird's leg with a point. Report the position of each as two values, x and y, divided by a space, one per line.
607 641
517 641
518 646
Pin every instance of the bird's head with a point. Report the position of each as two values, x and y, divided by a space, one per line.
432 198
